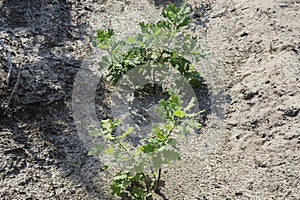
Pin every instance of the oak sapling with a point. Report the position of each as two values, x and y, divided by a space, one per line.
162 44
140 175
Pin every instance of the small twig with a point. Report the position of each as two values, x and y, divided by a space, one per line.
14 90
169 134
153 74
125 149
9 62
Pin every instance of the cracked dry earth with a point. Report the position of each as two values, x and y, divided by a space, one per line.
249 148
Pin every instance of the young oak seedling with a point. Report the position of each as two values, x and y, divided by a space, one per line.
140 175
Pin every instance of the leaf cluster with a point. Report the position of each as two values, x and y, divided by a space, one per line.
164 42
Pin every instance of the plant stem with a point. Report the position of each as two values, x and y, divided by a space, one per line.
154 176
157 181
154 81
169 134
126 150
161 53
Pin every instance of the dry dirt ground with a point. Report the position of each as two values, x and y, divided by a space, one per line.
249 148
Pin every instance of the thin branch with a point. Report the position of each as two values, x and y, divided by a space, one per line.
157 181
14 90
170 132
125 149
10 70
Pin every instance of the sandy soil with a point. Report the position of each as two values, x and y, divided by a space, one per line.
249 148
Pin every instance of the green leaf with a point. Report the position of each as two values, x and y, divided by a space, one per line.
179 113
96 150
119 183
103 46
172 142
115 49
137 192
96 132
163 103
156 33
137 177
129 130
186 130
109 150
192 123
103 36
115 189
155 128
130 39
109 124
142 24
116 155
104 167
139 167
160 136
190 105
169 126
109 136
117 121
121 176
105 59
174 101
148 148
106 123
170 155
157 161
178 16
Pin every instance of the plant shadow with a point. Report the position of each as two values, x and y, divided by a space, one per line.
159 3
159 192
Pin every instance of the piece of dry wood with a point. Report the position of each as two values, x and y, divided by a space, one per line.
10 70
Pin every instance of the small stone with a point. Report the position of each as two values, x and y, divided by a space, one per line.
243 34
283 5
228 98
249 95
238 193
291 112
197 15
